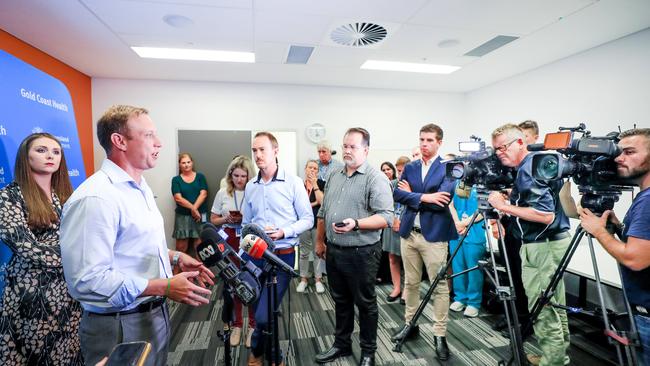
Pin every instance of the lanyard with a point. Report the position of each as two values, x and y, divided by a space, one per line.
237 206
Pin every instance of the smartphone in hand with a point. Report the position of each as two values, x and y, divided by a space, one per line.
340 224
129 354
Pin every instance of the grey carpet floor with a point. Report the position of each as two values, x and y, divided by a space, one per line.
311 317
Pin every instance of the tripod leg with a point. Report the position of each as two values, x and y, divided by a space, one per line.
601 299
440 275
545 297
509 306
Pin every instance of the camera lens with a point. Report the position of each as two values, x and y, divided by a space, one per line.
457 171
547 168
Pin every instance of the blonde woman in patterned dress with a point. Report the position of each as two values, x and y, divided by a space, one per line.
39 320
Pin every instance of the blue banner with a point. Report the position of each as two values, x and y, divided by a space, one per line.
33 101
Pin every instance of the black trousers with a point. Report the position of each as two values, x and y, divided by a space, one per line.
351 274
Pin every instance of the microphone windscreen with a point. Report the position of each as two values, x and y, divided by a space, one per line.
210 234
208 253
258 231
254 246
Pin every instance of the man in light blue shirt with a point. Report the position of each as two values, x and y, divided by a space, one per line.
278 202
115 258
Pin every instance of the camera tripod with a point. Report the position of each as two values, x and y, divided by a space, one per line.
623 341
506 293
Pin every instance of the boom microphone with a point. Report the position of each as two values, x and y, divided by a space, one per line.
258 248
215 252
255 229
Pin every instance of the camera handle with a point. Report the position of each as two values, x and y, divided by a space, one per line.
506 293
623 341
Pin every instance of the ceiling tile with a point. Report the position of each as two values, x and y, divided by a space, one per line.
508 17
387 10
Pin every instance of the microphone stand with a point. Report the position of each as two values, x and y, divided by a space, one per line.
227 318
272 310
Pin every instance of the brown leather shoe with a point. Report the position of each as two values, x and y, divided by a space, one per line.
255 361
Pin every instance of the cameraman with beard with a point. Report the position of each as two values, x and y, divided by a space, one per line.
633 250
543 228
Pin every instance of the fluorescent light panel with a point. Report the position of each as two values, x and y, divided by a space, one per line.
194 54
408 67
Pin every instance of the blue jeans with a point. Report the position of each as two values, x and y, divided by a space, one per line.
468 287
643 328
260 306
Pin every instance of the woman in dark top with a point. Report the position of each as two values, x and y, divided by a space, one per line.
390 239
308 238
190 190
39 321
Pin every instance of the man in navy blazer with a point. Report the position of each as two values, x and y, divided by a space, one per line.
426 228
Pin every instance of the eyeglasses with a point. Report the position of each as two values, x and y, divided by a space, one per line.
345 147
505 147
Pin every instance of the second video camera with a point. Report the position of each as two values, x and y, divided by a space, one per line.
480 167
588 160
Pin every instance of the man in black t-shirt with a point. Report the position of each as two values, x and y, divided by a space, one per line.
633 252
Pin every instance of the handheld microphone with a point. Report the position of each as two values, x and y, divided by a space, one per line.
255 229
535 147
215 252
258 248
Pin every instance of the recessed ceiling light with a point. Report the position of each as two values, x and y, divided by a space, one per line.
194 54
178 21
408 67
448 43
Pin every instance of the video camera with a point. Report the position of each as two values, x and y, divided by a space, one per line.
588 160
480 167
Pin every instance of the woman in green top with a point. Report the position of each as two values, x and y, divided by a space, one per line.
190 190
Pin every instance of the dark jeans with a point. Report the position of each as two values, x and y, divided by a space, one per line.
351 276
261 306
643 328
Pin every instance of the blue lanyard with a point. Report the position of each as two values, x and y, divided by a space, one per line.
240 203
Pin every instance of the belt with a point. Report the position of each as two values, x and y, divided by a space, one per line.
284 251
142 308
417 229
554 237
348 247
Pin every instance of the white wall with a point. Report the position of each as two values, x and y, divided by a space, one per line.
604 87
392 117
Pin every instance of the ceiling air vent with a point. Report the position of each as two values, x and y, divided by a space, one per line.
358 34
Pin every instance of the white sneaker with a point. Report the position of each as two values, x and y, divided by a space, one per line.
471 312
319 287
302 286
235 336
249 337
457 306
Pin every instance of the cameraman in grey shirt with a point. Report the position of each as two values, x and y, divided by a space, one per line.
358 203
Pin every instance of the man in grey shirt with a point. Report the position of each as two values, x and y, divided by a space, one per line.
358 203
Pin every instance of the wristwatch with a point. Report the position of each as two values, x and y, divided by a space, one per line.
356 225
175 258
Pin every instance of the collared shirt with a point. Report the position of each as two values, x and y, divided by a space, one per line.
426 165
326 169
365 193
281 203
542 197
112 241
